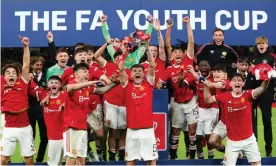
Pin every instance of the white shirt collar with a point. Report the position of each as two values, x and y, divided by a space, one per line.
246 73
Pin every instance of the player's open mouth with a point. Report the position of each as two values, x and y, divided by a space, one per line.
178 57
261 48
82 61
63 61
54 88
11 80
137 77
237 86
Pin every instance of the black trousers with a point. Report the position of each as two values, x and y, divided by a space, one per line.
265 104
36 115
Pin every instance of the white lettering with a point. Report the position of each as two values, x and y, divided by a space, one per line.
22 16
123 18
137 19
218 19
179 14
80 20
135 96
56 20
201 19
44 20
167 16
237 19
96 22
256 21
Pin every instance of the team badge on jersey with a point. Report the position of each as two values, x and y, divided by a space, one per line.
74 151
58 102
242 100
224 53
142 88
17 83
264 61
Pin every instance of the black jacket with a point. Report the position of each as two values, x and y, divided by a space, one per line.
215 54
259 58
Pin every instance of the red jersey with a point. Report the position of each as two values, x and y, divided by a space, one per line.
159 68
181 95
53 116
185 61
115 95
76 108
238 114
15 98
200 94
139 104
226 87
68 74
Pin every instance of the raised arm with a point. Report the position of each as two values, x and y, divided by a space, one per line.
261 89
110 49
191 43
26 57
80 85
151 68
105 29
98 55
51 47
208 98
103 90
156 26
217 85
169 23
122 73
142 47
150 26
192 71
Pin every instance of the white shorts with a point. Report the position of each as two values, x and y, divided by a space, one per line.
95 118
75 143
116 115
207 120
55 152
2 123
24 135
220 130
249 146
185 125
183 111
141 144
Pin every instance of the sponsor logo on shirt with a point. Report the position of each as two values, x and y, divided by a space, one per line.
83 98
231 109
135 96
212 51
47 110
